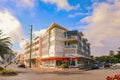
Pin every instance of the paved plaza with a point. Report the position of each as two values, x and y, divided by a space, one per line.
30 74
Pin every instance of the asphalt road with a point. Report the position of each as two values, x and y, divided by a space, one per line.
28 74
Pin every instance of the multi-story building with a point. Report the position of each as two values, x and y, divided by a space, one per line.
61 45
35 54
20 58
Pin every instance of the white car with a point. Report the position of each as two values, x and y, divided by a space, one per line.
117 65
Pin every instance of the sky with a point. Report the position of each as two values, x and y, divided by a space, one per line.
97 19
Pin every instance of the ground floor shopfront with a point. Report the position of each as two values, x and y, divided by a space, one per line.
71 62
56 62
35 62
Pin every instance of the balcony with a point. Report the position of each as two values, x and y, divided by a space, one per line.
70 51
70 46
70 38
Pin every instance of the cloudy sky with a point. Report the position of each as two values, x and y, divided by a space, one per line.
99 20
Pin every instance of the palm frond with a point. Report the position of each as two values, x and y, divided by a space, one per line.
5 44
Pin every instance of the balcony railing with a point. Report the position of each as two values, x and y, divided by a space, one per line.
70 50
70 47
71 38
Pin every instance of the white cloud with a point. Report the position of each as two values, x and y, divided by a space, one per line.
22 43
78 14
10 25
39 33
28 2
25 3
103 27
19 3
24 40
19 6
62 4
12 28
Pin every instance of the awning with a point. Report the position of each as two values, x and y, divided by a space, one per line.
54 58
61 58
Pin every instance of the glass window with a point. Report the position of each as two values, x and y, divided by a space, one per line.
58 63
72 62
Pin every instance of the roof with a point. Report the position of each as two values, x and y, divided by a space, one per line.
53 25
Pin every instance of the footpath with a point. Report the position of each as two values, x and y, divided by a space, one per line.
48 69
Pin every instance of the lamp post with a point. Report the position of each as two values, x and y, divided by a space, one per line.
30 44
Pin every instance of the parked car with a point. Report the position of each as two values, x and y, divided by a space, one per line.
106 65
21 65
117 65
95 66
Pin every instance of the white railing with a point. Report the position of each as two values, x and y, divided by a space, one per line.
70 51
71 46
71 37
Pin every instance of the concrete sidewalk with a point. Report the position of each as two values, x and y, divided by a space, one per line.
48 69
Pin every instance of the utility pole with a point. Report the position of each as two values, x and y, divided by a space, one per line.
30 44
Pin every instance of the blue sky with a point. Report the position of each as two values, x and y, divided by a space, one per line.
98 19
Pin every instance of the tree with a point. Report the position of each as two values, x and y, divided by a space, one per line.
107 59
111 53
113 59
5 45
118 56
9 58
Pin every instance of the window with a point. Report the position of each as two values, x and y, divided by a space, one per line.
58 63
72 62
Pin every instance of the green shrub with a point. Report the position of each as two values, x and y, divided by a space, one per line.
8 72
64 66
1 68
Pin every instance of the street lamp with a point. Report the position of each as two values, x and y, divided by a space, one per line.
30 44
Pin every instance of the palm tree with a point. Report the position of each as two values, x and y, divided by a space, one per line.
5 45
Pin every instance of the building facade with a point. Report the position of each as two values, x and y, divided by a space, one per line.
57 46
35 54
60 46
20 58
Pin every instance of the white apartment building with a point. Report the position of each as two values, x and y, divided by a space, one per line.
60 45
